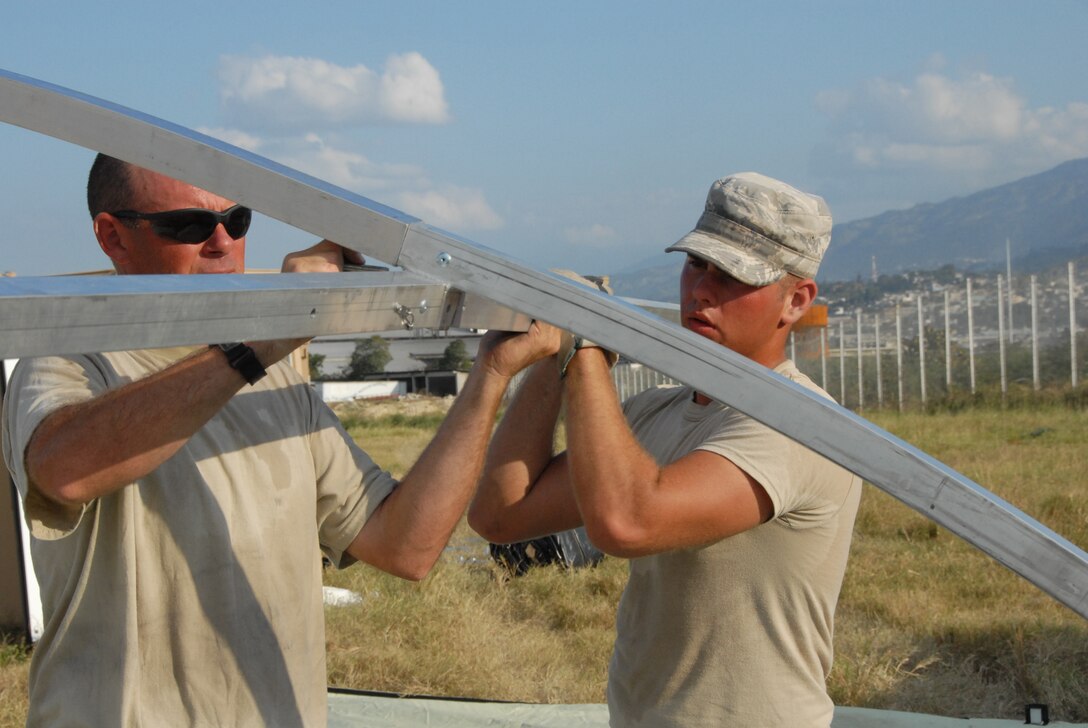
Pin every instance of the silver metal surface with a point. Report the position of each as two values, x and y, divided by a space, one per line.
70 315
1008 535
77 314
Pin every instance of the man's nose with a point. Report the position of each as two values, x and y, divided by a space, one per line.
220 242
701 288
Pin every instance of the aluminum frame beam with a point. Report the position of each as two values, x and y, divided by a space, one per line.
76 314
952 500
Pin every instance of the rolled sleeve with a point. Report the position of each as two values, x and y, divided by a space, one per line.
350 487
39 387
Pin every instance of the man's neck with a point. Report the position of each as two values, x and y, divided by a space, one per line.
701 399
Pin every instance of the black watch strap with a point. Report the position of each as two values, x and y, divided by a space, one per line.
243 360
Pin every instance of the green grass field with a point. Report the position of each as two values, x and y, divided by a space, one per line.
926 623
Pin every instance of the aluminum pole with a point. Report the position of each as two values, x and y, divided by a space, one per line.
948 498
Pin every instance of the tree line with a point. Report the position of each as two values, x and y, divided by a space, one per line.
371 356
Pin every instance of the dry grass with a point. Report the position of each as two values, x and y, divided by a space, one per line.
929 624
926 623
14 667
467 631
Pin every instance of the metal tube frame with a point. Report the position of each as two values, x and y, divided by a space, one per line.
952 500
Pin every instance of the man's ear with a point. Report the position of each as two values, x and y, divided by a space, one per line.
112 238
797 300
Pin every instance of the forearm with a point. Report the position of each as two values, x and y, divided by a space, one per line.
407 533
88 450
520 451
413 525
613 478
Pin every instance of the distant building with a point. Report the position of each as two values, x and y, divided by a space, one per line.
414 354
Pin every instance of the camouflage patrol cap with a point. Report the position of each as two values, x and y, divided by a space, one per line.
757 229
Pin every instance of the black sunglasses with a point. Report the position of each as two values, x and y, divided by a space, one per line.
193 225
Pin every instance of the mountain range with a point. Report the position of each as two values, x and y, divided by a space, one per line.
1043 217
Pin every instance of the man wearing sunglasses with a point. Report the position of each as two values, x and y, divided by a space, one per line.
181 499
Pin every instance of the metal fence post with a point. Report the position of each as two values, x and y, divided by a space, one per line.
842 363
861 376
879 376
899 353
1035 376
1008 266
823 358
1072 324
921 350
971 334
1001 336
947 343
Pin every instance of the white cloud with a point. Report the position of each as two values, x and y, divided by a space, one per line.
291 97
238 138
349 169
974 124
456 209
1062 131
404 186
307 93
407 187
594 235
411 90
939 109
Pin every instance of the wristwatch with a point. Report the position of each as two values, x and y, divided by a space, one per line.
243 360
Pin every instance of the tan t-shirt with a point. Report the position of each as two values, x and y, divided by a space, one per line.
192 596
737 633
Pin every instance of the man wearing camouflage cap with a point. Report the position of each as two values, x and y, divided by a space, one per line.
737 536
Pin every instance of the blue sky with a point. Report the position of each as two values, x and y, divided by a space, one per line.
581 135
